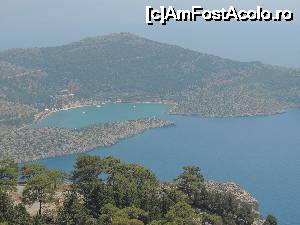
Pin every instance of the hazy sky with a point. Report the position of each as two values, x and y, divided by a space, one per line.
30 23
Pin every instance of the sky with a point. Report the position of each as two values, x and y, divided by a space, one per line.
36 23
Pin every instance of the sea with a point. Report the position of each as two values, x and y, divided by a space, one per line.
260 153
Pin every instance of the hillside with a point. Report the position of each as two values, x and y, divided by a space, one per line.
128 67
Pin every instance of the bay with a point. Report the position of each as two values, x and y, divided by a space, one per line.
261 153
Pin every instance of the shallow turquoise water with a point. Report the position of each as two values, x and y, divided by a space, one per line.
262 153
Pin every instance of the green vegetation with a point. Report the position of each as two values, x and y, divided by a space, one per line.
271 220
29 144
15 114
106 191
8 174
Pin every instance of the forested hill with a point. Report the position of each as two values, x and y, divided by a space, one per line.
128 67
106 191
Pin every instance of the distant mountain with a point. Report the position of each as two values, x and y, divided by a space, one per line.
127 67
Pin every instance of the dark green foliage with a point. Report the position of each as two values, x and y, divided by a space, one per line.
6 208
30 170
106 191
96 195
87 169
110 214
190 182
73 212
225 205
103 181
8 174
41 188
21 216
182 214
213 219
38 220
88 182
166 197
271 220
13 215
132 185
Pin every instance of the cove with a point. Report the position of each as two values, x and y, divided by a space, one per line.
262 153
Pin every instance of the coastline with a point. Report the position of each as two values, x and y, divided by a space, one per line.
229 116
75 141
44 114
95 147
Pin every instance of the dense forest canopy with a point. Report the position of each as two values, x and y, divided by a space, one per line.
106 191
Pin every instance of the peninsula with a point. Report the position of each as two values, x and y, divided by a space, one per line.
30 144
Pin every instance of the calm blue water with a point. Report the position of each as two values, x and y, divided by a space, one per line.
262 154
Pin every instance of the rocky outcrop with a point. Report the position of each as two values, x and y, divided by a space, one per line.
235 190
239 193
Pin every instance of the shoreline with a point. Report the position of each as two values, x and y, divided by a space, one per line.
45 114
136 127
97 147
230 116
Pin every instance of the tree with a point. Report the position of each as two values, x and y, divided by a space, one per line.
244 215
38 220
87 169
132 184
207 218
157 222
57 176
190 182
21 216
111 215
125 192
40 188
10 214
8 175
271 220
6 207
96 195
135 213
166 197
30 170
88 181
126 221
181 214
73 212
